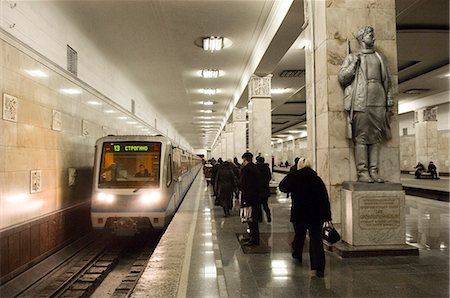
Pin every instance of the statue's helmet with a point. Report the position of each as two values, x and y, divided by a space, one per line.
363 31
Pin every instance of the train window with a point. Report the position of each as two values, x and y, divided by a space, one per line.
130 164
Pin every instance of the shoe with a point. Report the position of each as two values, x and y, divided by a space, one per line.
320 273
365 177
269 218
375 177
250 243
297 256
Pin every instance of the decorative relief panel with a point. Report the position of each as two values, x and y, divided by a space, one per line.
239 114
260 86
10 105
85 128
35 181
56 120
430 114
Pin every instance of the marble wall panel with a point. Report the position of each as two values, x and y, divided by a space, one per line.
319 22
322 131
389 164
336 52
3 151
334 192
321 62
339 166
336 27
35 114
384 23
407 153
357 16
337 122
18 158
10 82
321 96
323 165
335 94
8 133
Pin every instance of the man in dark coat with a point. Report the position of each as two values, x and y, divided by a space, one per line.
250 195
310 209
215 169
225 184
264 186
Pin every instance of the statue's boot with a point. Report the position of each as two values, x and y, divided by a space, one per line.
374 153
361 159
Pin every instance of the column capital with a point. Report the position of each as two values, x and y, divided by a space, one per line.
260 86
426 114
239 114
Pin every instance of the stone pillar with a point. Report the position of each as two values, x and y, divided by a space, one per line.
369 214
426 135
239 132
229 141
259 114
330 24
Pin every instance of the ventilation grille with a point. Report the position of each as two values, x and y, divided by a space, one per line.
293 73
72 60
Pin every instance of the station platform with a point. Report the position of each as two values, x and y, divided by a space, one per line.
200 256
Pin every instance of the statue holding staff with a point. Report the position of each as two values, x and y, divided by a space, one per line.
368 99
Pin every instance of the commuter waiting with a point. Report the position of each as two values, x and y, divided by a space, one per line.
225 185
432 170
420 168
264 182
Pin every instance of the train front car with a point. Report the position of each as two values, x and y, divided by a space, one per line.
130 193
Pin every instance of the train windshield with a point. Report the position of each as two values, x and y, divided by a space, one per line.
130 165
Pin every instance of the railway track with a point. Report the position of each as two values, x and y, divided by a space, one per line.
84 273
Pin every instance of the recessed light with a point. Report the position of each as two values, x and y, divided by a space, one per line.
211 73
206 111
205 117
37 73
416 91
109 111
295 131
279 90
131 122
71 91
209 91
212 43
122 118
94 103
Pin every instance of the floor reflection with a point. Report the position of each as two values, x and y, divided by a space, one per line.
427 223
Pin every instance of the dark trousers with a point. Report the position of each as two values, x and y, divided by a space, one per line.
254 231
265 206
316 252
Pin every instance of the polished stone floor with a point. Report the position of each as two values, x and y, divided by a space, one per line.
219 268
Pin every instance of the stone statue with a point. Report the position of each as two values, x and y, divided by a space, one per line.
368 99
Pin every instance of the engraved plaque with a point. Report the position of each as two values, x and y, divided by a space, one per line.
85 128
376 213
260 87
239 114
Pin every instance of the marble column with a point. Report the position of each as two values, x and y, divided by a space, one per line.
330 25
426 135
259 114
239 132
229 141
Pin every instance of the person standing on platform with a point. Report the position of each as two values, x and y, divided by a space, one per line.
225 186
215 169
264 186
310 209
250 195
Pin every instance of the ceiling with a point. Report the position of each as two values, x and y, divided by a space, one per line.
153 43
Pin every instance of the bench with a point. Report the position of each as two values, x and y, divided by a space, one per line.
424 175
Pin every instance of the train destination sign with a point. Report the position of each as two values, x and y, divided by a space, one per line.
127 147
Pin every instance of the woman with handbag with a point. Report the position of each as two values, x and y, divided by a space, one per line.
310 209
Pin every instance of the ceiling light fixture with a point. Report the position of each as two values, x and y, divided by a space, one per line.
70 91
209 91
109 112
94 103
279 90
210 73
213 43
206 111
122 118
37 73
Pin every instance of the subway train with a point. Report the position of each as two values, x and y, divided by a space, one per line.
139 182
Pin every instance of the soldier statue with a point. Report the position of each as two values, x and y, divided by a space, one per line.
368 99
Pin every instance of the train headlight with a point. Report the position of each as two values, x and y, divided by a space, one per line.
106 198
151 197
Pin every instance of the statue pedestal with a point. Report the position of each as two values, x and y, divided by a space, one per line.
373 220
